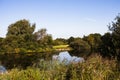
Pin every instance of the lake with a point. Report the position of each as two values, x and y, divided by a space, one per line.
67 58
24 60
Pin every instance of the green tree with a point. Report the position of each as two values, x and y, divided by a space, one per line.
1 44
94 40
107 48
60 41
80 46
41 34
71 39
115 28
19 35
43 38
21 28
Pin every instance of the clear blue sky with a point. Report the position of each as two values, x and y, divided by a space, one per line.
62 18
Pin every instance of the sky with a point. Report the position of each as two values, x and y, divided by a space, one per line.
61 18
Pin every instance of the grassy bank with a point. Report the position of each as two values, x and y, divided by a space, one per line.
94 68
61 47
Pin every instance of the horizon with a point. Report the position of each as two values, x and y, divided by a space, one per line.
61 18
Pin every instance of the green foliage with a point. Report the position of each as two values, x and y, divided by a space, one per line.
43 39
80 46
41 34
95 68
110 41
21 38
21 28
19 35
107 48
60 41
1 45
94 40
115 28
71 39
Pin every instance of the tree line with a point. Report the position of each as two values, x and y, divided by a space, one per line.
21 37
107 45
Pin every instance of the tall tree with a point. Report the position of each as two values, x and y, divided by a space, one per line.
21 28
107 48
115 28
41 34
19 35
43 38
1 44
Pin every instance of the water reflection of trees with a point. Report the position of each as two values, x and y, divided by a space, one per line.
23 60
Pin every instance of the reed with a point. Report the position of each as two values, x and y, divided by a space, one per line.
94 68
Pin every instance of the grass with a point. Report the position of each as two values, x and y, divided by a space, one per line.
94 68
61 47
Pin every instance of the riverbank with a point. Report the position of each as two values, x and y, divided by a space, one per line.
95 68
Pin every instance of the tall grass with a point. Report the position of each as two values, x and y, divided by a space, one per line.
94 68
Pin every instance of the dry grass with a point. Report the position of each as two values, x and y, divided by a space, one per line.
95 68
